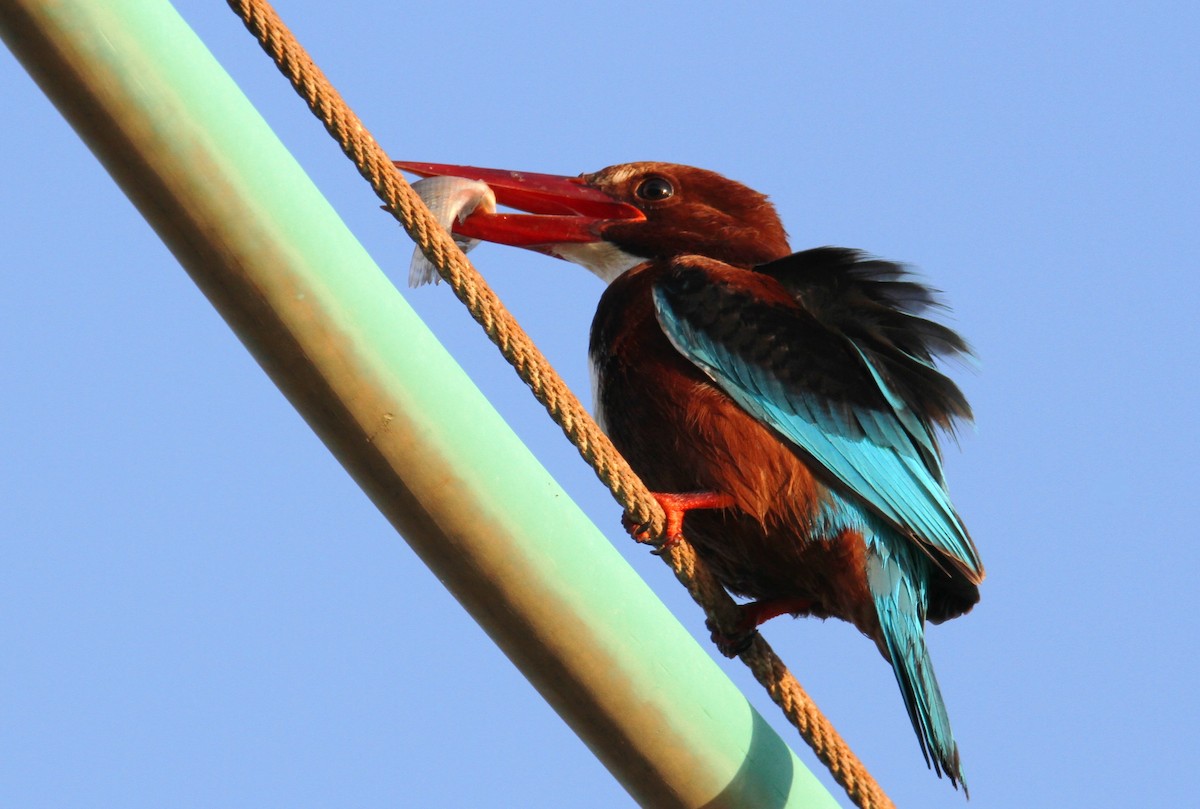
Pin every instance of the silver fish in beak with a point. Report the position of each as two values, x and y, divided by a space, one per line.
451 200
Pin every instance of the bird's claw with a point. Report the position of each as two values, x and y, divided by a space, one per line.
733 643
669 541
640 531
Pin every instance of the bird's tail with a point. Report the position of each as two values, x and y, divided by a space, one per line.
900 597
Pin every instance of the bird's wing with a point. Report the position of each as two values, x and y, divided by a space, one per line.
878 305
840 398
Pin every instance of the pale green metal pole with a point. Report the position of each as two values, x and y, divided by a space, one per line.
341 343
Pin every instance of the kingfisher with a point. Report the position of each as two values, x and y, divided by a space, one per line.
784 407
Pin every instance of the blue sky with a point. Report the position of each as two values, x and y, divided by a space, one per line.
200 608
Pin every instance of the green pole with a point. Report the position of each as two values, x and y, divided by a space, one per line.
333 333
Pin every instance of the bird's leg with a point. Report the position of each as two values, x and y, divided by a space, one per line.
757 613
738 638
675 506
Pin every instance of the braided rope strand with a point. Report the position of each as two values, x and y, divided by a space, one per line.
549 389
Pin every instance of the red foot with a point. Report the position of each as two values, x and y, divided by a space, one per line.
753 615
675 506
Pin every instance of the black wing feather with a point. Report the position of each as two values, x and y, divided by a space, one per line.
878 305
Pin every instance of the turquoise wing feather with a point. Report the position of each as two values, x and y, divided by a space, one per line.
875 446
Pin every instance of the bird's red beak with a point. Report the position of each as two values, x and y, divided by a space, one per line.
560 209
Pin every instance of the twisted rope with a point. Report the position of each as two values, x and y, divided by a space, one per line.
562 405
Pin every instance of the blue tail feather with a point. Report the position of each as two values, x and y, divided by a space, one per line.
897 575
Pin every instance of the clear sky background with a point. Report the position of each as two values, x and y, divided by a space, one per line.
199 608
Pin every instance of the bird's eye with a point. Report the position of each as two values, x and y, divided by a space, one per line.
654 189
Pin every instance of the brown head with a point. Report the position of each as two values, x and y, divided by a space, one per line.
691 211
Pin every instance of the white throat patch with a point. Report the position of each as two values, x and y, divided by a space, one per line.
605 260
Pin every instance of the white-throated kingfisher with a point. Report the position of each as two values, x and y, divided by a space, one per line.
783 406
